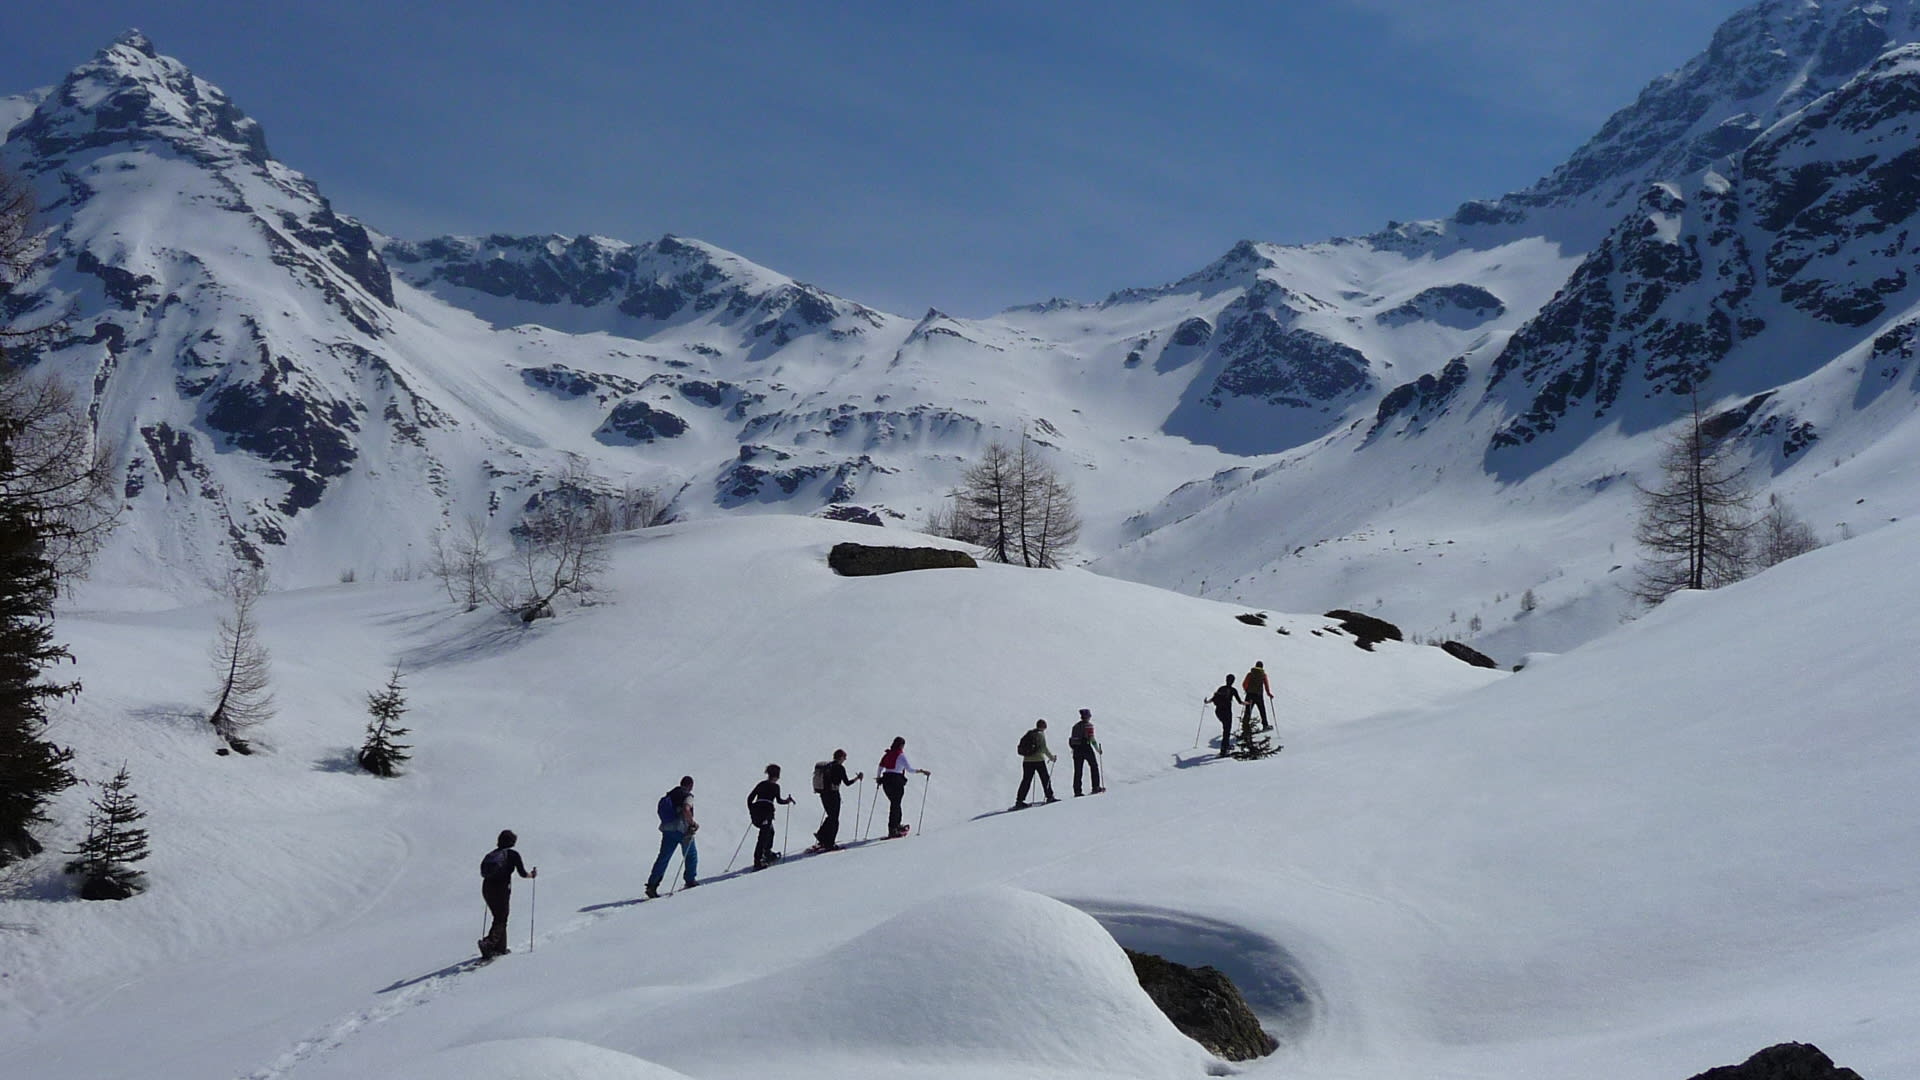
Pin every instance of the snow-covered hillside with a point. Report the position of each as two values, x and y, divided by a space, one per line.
1646 857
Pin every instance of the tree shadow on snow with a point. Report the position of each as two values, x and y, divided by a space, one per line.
340 761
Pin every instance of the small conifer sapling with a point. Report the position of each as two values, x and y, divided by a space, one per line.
113 844
383 752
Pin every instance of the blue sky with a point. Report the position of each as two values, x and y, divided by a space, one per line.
965 157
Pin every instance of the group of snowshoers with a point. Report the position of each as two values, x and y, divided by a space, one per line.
1258 690
677 824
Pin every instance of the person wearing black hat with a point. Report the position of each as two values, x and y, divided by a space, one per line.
496 888
1086 751
1224 698
761 802
828 778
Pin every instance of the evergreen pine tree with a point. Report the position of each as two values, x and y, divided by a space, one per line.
32 770
1253 742
112 845
382 753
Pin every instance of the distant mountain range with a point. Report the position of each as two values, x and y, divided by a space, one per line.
1425 422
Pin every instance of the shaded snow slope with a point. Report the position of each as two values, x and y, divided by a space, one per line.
1644 857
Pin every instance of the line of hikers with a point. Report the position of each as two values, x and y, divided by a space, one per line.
678 826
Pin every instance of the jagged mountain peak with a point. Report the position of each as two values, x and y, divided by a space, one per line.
130 93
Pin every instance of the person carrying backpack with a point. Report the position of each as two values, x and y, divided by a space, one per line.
1034 756
894 768
1257 689
761 802
496 888
1223 700
828 778
676 831
1086 751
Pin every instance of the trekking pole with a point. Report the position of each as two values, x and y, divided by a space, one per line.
924 785
786 829
859 801
738 846
533 908
876 805
672 865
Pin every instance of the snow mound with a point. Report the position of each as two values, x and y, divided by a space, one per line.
996 973
536 1059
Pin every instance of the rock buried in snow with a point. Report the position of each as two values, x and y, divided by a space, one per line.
1205 1005
1786 1061
1253 618
1460 650
1367 631
864 560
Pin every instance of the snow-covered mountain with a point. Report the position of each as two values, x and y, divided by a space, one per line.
1297 427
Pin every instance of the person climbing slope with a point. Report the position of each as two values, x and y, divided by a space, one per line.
894 768
676 831
761 802
1223 700
1086 751
496 888
828 778
1257 688
1034 756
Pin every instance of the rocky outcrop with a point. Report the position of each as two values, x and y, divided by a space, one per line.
867 560
1786 1061
1367 631
1466 653
1205 1005
1460 306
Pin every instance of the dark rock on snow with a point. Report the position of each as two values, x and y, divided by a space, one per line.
865 560
1460 650
1367 631
1253 618
1787 1061
1205 1005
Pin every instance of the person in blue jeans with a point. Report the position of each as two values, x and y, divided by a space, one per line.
676 831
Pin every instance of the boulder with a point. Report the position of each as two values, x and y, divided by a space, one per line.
1786 1061
1460 650
1367 631
863 560
1205 1005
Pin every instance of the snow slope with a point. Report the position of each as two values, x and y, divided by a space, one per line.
1645 857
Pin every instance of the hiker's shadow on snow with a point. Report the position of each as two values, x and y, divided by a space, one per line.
1195 759
451 969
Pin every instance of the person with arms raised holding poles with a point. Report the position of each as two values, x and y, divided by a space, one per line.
828 778
1223 700
676 832
496 888
894 768
760 810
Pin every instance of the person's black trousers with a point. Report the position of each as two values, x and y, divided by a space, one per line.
895 785
1029 770
1085 755
830 825
499 897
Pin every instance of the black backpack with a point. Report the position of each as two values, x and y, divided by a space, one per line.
1029 743
1082 733
497 864
820 772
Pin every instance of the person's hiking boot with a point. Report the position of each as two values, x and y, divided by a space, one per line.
1052 799
653 890
692 884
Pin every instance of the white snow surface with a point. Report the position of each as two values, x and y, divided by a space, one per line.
1647 856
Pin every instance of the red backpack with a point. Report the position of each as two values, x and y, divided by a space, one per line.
890 759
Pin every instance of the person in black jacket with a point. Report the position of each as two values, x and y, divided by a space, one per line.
496 888
760 808
829 778
1224 700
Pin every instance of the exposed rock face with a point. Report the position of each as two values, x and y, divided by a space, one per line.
1460 650
1786 1061
1367 631
1204 1005
866 560
638 422
1449 305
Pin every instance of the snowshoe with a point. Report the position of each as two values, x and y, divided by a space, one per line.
1019 806
653 890
904 830
1051 799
